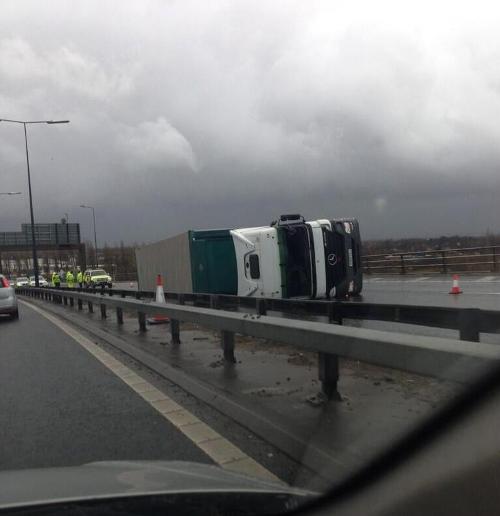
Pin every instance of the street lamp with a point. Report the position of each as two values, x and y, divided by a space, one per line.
33 239
95 234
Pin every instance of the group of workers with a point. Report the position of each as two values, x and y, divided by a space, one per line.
71 278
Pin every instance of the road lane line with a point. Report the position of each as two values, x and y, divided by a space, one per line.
218 448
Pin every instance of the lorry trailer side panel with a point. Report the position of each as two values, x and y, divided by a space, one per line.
170 258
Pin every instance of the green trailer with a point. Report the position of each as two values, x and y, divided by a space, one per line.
200 261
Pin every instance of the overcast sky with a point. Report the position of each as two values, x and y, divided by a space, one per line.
225 114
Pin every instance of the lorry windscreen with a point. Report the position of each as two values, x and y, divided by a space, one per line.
297 263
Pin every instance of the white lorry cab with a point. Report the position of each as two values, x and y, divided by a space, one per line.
294 258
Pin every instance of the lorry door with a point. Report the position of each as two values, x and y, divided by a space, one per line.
213 262
319 258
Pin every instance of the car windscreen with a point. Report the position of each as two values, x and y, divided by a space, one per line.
99 273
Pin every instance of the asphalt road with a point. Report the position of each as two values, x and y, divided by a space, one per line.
60 406
478 291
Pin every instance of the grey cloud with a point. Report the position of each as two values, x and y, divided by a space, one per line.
188 114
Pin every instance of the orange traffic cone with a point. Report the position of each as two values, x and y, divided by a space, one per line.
160 298
455 289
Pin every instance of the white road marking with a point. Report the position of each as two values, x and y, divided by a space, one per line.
430 280
218 448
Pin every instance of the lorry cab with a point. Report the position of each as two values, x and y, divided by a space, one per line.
293 258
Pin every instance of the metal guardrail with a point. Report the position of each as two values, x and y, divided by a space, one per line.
437 357
469 322
441 261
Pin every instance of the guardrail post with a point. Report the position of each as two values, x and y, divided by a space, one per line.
227 338
175 324
91 307
175 331
443 261
141 316
328 373
71 302
261 307
103 311
403 270
122 294
328 365
65 300
119 315
494 269
80 304
468 324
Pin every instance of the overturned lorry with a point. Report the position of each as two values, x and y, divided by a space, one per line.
290 258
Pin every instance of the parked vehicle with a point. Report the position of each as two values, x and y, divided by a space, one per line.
8 299
42 282
98 278
22 281
291 258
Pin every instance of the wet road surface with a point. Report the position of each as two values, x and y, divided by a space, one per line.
59 406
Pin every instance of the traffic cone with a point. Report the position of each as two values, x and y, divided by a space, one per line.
455 289
160 298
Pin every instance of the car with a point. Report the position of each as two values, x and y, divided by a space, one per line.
8 299
22 281
42 282
98 278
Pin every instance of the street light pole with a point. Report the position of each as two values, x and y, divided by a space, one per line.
95 233
32 217
33 239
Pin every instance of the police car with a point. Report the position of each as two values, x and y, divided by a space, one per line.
98 278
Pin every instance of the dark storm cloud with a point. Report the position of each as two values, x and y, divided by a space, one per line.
222 114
